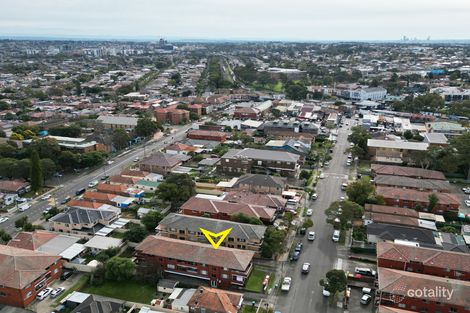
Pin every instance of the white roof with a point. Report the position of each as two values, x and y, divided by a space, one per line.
175 294
406 145
77 297
72 251
228 184
118 120
252 123
105 231
103 243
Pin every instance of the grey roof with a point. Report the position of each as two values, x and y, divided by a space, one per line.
83 216
209 161
118 120
403 145
261 180
291 124
206 144
258 154
436 138
390 232
58 244
162 159
193 223
374 89
402 181
98 304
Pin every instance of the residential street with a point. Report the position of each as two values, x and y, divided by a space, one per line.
306 293
76 182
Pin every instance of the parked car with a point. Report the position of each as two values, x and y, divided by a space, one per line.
466 190
322 176
65 200
3 219
326 292
365 271
80 191
24 207
309 212
286 284
467 203
299 247
314 196
93 183
305 268
136 159
110 162
44 293
303 231
66 275
46 210
366 299
46 197
295 256
336 235
57 292
311 236
104 178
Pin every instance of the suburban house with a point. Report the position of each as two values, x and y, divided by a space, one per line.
222 267
225 210
433 185
413 172
24 273
411 198
79 220
115 122
436 139
16 186
360 93
180 148
160 163
290 145
397 288
237 162
186 227
78 145
109 198
260 183
207 135
120 190
100 243
390 151
93 205
211 300
434 262
377 232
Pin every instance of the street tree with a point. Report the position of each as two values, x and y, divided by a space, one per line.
146 127
273 242
335 281
121 138
176 189
462 146
359 136
4 237
360 191
119 269
36 172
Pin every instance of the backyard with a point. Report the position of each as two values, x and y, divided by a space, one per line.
128 290
255 281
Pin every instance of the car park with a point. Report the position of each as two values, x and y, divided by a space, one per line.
44 293
309 212
311 236
305 268
57 292
286 283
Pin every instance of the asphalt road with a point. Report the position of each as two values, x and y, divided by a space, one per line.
305 294
67 186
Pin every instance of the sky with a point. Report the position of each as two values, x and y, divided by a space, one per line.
296 20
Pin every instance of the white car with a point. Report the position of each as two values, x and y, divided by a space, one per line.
136 159
322 176
342 198
110 162
3 219
57 292
311 236
305 268
46 197
366 299
44 293
93 183
314 196
467 203
309 212
46 210
286 284
325 292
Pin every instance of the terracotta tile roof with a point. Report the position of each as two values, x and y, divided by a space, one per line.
271 201
12 185
98 196
181 147
230 208
84 204
215 300
20 267
202 253
416 196
399 283
118 179
386 209
111 188
134 173
380 169
386 309
31 240
392 219
430 257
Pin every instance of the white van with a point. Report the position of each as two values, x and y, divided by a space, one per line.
336 235
24 207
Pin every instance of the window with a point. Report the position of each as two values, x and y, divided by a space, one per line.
453 310
224 276
2 294
204 272
402 305
29 294
170 266
56 271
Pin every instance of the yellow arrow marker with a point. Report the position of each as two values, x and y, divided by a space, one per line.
209 235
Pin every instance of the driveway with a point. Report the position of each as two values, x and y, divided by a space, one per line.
306 293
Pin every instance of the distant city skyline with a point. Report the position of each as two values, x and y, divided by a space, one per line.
294 20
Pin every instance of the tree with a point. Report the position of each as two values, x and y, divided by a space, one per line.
245 219
296 91
48 168
4 237
73 131
335 281
408 134
119 269
92 158
360 191
48 148
462 145
433 200
307 223
146 127
120 138
359 136
22 168
304 174
449 229
273 242
7 167
349 211
136 233
176 189
68 160
105 255
36 172
151 220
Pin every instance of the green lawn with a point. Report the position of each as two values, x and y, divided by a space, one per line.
249 309
128 290
255 281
